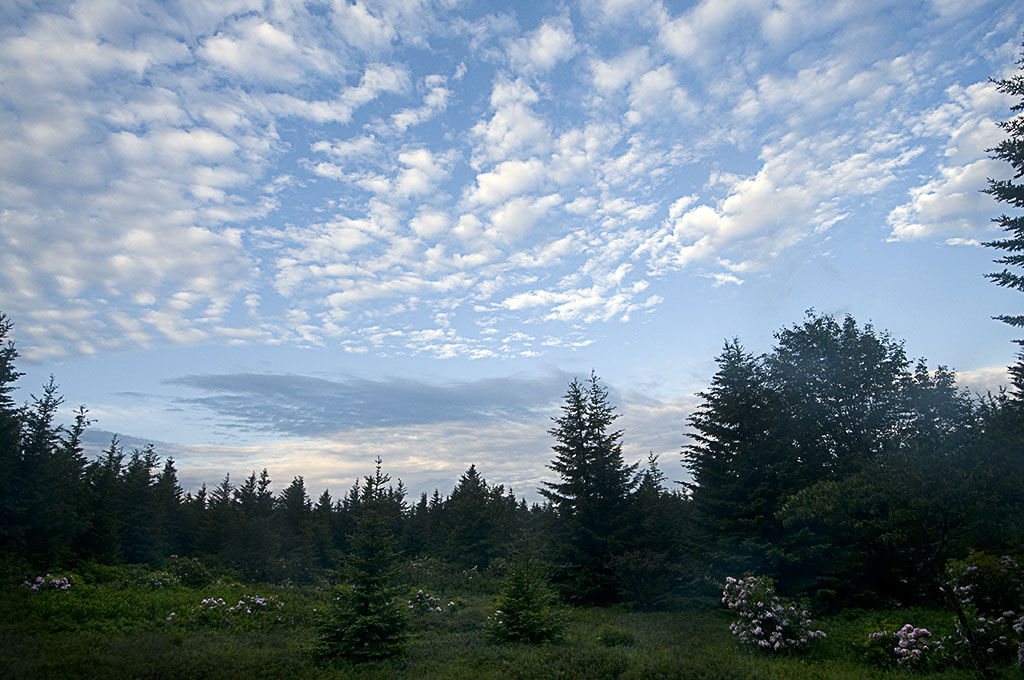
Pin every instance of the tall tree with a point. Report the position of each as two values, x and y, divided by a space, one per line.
1011 192
365 621
739 460
10 444
594 492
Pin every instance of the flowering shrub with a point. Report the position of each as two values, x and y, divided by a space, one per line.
160 579
989 627
249 611
909 647
49 582
425 603
989 592
987 640
766 621
189 571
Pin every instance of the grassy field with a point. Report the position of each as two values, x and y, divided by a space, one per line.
120 629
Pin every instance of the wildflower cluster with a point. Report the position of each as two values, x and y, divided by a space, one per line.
989 628
425 603
990 593
247 611
160 579
49 582
766 621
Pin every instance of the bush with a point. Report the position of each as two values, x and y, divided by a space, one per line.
988 595
525 608
613 636
909 647
766 621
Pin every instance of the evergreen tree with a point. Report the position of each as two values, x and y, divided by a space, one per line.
593 495
167 516
11 501
366 620
471 518
140 542
296 529
103 535
1011 192
738 460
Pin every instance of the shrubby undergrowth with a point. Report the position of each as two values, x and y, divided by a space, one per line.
766 621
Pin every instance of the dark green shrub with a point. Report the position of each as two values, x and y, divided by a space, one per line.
613 636
525 609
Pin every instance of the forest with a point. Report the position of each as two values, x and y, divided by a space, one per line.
832 469
851 512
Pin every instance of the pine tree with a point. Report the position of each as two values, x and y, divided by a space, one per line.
11 503
470 516
1011 192
594 492
738 458
366 620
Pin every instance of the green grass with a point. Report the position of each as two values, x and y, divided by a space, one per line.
107 630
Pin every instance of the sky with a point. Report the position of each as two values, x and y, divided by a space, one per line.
303 235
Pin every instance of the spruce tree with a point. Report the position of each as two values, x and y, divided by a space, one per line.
366 621
1011 192
10 445
593 495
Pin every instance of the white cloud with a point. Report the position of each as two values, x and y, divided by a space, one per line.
951 204
360 27
377 80
436 101
254 48
613 75
511 221
507 179
551 43
514 127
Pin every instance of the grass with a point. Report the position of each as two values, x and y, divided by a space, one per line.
119 630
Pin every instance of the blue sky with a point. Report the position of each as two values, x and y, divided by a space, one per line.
301 235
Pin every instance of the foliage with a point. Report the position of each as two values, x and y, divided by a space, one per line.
248 613
613 636
49 582
525 608
765 620
593 494
365 621
1011 192
909 647
987 594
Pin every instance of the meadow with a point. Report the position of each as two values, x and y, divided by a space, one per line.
116 622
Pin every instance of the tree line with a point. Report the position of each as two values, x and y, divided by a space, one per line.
832 462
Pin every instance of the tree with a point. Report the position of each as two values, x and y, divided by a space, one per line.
471 514
10 443
594 492
739 460
843 388
365 621
1011 192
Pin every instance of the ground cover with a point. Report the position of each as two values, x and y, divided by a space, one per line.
122 626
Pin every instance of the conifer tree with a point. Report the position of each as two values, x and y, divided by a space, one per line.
593 495
366 620
10 444
1011 192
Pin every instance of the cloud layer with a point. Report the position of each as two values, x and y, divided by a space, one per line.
454 180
